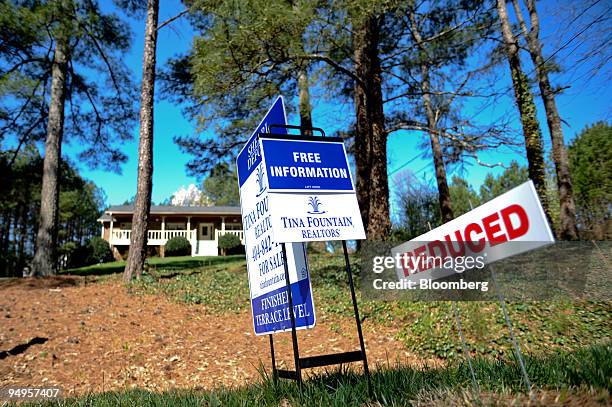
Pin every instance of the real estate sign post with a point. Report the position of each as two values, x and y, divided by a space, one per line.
270 303
294 189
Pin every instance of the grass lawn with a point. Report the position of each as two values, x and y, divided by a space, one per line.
167 263
573 378
568 342
425 327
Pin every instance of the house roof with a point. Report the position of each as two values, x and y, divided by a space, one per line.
105 218
172 210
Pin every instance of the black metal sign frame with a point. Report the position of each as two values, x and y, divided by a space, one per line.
320 360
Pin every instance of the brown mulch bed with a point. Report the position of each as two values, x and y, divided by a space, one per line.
93 337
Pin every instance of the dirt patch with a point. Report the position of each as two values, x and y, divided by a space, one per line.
98 337
48 282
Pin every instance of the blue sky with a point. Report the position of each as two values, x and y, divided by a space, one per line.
584 103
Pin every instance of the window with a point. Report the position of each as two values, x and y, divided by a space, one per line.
176 226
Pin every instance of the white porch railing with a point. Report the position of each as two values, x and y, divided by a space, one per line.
154 237
238 233
160 237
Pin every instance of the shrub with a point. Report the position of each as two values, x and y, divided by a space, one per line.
177 246
100 250
72 255
96 250
227 242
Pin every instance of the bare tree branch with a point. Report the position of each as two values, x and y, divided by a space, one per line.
171 19
333 64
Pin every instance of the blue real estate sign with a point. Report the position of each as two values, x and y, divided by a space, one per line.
311 194
265 267
298 165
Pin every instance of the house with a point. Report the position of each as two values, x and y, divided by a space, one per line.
201 225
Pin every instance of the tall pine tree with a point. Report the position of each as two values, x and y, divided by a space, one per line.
567 213
62 66
527 108
142 206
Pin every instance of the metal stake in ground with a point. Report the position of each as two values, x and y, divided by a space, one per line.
296 351
466 352
464 346
517 347
357 319
274 372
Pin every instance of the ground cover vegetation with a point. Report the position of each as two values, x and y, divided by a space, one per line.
415 69
567 342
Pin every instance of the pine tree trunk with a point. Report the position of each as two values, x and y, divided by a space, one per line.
444 197
305 107
5 267
527 110
361 144
23 232
567 213
15 256
43 263
142 205
370 135
304 90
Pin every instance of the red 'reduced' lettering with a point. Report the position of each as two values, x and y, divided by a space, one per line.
421 264
492 227
408 263
438 259
509 223
460 251
471 242
439 245
512 230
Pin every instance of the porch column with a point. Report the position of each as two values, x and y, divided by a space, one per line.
190 236
110 236
223 223
163 228
102 231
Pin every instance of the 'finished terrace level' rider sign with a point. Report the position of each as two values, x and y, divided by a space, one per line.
310 189
265 263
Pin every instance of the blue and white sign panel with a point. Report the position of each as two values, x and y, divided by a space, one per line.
299 217
311 191
265 267
298 165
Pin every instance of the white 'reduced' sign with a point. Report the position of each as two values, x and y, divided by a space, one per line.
510 224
